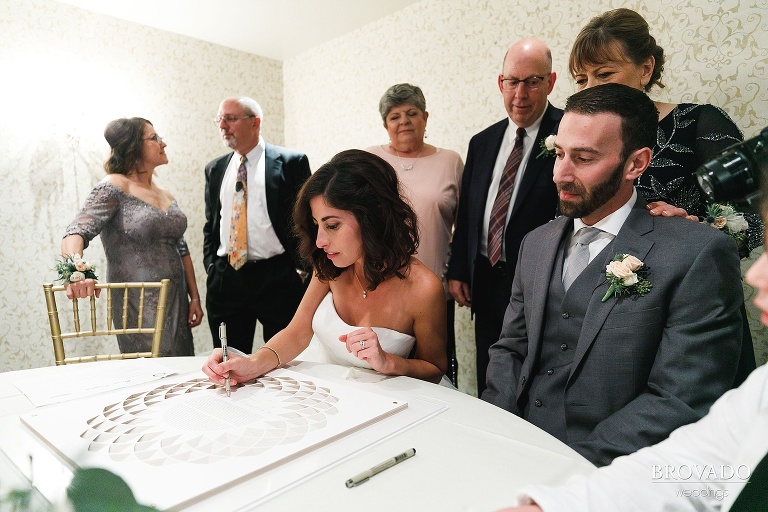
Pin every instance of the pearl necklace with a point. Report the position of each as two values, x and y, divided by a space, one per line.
402 165
365 291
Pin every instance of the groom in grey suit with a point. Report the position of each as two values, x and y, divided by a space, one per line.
610 373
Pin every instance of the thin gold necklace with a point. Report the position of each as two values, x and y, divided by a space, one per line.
365 291
402 165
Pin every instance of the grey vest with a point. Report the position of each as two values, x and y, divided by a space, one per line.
545 406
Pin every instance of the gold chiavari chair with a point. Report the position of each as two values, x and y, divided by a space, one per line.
98 321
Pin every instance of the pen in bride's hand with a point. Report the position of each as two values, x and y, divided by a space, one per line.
224 355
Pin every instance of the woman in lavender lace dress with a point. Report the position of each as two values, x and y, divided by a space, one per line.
141 228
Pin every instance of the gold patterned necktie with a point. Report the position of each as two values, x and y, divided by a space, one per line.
238 228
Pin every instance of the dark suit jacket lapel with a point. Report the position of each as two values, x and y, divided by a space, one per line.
489 162
534 165
217 177
273 171
630 240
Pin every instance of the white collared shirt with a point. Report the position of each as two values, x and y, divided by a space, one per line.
507 143
611 223
262 238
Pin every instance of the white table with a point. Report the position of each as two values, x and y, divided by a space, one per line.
470 457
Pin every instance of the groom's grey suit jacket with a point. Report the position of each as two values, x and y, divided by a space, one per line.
638 367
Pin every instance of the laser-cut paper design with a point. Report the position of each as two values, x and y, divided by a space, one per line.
154 428
182 440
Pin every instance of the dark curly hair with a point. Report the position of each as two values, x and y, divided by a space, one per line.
595 43
365 185
125 137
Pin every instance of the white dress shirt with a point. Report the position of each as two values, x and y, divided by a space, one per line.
262 238
611 224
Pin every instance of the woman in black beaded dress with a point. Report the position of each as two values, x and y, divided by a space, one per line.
617 47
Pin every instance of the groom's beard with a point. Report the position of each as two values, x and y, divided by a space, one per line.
590 200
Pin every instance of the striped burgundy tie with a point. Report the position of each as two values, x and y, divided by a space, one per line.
501 204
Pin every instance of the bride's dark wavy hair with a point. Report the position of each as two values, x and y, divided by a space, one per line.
125 137
367 186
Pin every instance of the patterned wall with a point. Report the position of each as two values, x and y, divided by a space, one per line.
453 49
68 71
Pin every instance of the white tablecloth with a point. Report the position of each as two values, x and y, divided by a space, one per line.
472 456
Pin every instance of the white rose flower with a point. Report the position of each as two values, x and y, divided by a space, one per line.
737 223
76 277
620 269
629 281
81 265
549 142
632 262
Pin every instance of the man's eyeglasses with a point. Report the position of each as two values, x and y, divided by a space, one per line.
229 119
155 138
530 83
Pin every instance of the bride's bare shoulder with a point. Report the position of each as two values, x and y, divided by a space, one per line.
423 278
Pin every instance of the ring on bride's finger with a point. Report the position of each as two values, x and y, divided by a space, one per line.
362 344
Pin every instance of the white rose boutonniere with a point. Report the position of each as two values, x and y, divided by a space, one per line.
626 276
547 146
73 268
725 218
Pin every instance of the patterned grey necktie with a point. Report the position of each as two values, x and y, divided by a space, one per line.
579 257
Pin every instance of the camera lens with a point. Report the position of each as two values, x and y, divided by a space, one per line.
735 174
727 177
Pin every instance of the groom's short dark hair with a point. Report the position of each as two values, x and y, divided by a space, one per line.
639 117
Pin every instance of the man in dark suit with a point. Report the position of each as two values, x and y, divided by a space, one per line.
611 370
525 201
252 267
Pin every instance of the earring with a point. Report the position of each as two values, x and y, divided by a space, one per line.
425 133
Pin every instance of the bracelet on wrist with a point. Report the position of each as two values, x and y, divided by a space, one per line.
279 363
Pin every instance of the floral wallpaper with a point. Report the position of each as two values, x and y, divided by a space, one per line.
717 52
69 71
66 73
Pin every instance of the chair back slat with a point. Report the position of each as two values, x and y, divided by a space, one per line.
107 329
93 313
109 307
141 307
76 313
125 310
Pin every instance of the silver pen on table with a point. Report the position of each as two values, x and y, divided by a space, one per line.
366 475
224 355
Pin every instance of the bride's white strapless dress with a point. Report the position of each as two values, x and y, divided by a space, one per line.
328 326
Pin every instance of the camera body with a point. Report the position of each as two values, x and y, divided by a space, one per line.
735 175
